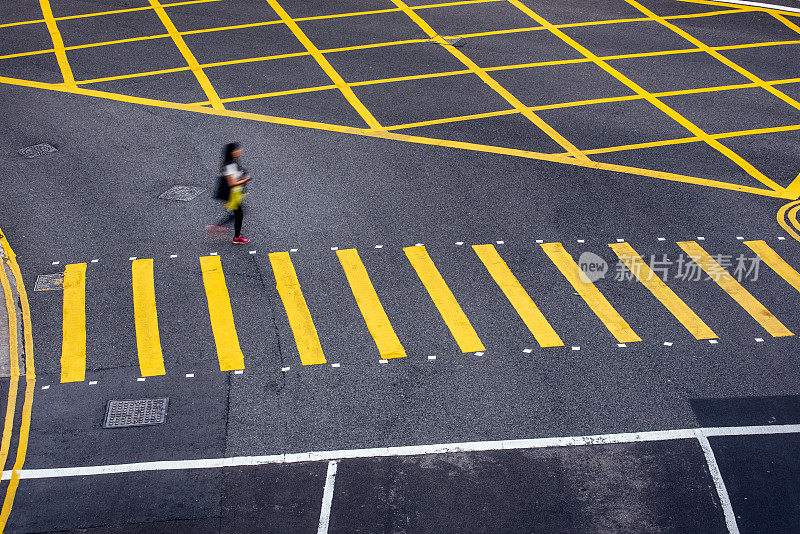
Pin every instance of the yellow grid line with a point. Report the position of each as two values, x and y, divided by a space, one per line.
677 117
348 93
58 43
794 187
491 82
205 83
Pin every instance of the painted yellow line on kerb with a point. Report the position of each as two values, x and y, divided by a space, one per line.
11 403
202 79
389 345
733 288
58 43
775 262
303 329
530 314
323 63
73 344
30 384
219 310
589 293
442 297
148 340
672 302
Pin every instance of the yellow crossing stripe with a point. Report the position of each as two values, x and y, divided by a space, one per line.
389 345
589 293
662 292
58 43
451 312
305 334
148 340
323 63
518 297
202 79
219 309
733 288
73 344
775 262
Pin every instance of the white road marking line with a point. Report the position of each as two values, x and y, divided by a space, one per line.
781 238
662 238
722 492
713 341
575 347
251 252
336 365
500 242
431 357
479 354
213 254
527 351
284 369
540 241
132 258
383 361
327 498
378 246
701 238
173 256
581 241
621 345
620 240
45 387
409 450
760 4
459 243
759 340
293 250
92 382
740 238
419 245
95 261
55 263
334 248
668 343
140 379
189 375
238 371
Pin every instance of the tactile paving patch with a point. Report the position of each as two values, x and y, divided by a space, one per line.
139 412
49 282
35 151
183 193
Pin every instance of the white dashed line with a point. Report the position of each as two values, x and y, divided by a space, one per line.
501 242
334 248
173 256
740 238
45 387
540 241
662 238
701 238
575 347
132 258
140 379
251 251
527 351
668 343
213 254
383 361
55 263
92 382
293 250
284 369
238 371
419 244
479 354
378 246
431 357
336 365
713 341
95 261
581 241
620 240
621 345
459 243
759 340
189 375
781 238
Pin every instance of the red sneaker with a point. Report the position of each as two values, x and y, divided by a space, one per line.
240 240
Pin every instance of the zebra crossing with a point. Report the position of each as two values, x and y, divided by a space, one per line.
303 319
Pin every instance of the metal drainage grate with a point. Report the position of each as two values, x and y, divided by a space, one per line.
183 193
35 151
140 412
49 282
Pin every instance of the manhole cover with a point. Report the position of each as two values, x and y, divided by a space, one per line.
183 193
35 151
49 282
139 412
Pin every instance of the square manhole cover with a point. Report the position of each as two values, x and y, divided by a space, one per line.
35 151
49 282
139 412
184 193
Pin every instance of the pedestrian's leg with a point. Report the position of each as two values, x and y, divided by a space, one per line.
237 221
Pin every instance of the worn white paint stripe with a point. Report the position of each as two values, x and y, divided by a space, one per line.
410 450
327 498
760 4
722 491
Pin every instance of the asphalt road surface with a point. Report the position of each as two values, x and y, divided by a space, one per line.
515 266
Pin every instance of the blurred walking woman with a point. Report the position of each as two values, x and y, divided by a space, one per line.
236 177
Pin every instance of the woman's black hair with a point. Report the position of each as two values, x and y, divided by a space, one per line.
227 153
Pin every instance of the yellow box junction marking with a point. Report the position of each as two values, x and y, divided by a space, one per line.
58 43
219 309
518 297
733 288
662 292
389 345
589 293
11 403
442 297
323 63
288 286
73 344
202 79
491 82
775 262
148 340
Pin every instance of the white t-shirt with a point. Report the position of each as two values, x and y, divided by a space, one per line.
232 169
